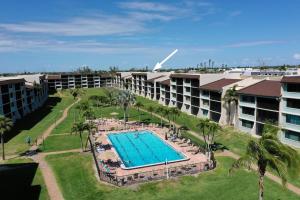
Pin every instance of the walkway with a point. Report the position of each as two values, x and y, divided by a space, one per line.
48 175
230 154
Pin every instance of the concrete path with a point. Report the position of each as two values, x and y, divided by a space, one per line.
230 154
47 173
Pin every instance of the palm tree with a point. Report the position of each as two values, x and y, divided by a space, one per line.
175 112
160 110
111 95
203 126
230 97
151 110
166 113
5 125
269 152
79 128
139 105
126 99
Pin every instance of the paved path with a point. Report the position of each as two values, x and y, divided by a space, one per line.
227 153
48 175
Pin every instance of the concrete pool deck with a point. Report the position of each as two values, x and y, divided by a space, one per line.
115 126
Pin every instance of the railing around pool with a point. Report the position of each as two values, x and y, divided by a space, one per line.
168 172
150 175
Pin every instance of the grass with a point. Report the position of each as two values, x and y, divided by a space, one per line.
80 183
35 124
234 140
63 142
37 180
231 138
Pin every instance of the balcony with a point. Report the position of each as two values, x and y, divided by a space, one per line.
267 103
289 110
292 95
247 117
215 106
247 104
215 96
267 116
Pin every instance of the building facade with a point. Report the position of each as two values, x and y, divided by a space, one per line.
22 95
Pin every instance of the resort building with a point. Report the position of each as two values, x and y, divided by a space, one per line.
73 80
21 95
258 104
290 110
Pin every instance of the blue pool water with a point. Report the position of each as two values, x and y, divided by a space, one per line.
143 148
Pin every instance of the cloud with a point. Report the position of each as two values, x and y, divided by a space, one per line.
100 25
235 13
297 56
147 6
253 43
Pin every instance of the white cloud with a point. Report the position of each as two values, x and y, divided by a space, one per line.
147 6
100 25
235 13
253 43
297 56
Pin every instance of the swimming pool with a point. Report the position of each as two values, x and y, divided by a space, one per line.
143 148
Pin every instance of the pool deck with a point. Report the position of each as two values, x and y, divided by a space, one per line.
117 127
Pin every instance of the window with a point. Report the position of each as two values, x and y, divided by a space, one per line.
292 135
248 99
247 124
188 98
248 111
293 103
187 89
187 106
205 112
173 95
293 119
205 102
11 95
205 93
293 87
187 80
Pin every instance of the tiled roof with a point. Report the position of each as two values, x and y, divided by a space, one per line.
152 79
8 80
166 82
290 79
185 75
219 84
263 88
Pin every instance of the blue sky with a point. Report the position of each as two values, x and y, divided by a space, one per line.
61 35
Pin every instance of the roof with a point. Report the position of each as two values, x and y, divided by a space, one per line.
10 80
152 79
166 82
185 75
140 73
265 88
53 77
106 76
290 79
219 84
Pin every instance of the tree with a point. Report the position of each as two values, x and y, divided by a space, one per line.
139 105
79 128
5 125
175 112
126 99
208 130
111 95
160 110
229 97
76 92
269 152
151 110
166 113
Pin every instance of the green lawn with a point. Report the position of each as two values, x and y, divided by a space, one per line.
234 140
38 178
79 182
63 142
36 123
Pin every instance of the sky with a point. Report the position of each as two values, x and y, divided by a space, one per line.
62 35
